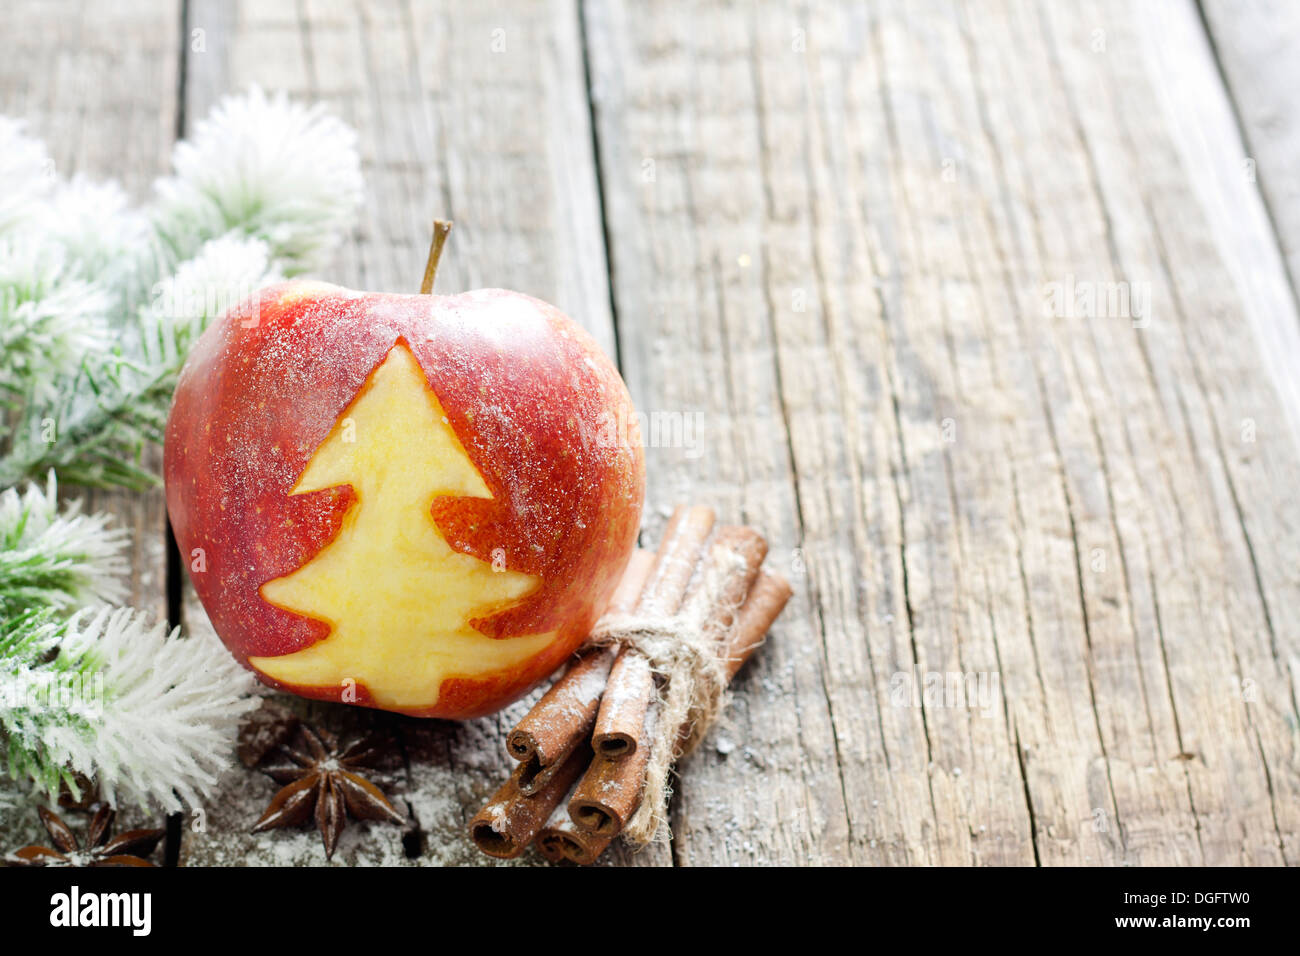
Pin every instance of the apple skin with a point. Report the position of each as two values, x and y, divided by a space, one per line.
532 398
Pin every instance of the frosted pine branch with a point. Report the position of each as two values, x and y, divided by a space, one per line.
116 404
28 668
101 693
25 174
147 715
95 430
49 320
56 559
99 303
264 167
225 272
101 237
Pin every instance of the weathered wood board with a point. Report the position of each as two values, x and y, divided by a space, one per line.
835 229
978 310
1255 43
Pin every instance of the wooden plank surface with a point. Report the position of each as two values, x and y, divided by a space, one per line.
854 219
1228 291
1243 141
1256 43
1045 549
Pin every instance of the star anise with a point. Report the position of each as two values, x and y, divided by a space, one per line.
323 781
125 849
265 731
87 802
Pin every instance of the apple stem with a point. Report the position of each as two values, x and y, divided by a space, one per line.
441 227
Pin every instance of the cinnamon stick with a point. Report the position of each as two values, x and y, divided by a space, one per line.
735 553
676 560
572 818
611 789
561 839
560 720
620 721
564 716
765 601
628 593
506 826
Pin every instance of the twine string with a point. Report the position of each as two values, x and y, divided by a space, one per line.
688 653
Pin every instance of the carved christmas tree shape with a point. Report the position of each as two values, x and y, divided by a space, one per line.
397 598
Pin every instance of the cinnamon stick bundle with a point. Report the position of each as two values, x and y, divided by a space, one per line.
563 718
620 722
506 826
587 748
612 789
561 839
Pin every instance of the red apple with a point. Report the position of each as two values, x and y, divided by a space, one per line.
413 502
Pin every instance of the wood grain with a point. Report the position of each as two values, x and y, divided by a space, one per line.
863 211
1255 44
1044 548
